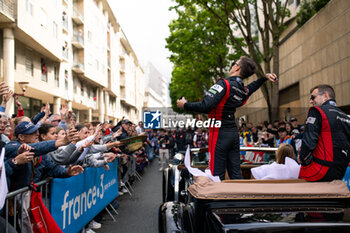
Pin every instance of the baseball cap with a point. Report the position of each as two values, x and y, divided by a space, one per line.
293 119
25 127
126 121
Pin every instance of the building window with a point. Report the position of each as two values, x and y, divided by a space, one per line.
103 68
89 92
43 70
29 7
81 88
94 94
75 82
289 94
66 79
54 29
56 77
89 36
30 106
43 18
29 66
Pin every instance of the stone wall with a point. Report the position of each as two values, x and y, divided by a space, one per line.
317 53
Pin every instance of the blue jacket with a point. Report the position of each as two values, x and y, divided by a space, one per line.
20 175
38 117
48 168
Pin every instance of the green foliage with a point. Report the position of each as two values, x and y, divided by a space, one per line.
200 55
309 9
204 30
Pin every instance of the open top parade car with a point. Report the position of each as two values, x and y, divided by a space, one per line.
197 204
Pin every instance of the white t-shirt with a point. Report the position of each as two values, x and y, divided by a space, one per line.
289 170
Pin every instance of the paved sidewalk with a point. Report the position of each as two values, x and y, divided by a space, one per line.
139 213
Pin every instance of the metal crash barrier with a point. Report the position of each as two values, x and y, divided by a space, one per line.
72 202
18 198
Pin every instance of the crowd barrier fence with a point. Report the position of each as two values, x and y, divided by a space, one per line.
73 202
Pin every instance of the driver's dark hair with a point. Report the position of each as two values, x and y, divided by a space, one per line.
248 67
325 88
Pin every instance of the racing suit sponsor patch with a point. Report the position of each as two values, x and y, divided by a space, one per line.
212 91
311 120
209 94
217 88
237 98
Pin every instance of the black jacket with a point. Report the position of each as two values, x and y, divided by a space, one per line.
238 95
325 145
339 124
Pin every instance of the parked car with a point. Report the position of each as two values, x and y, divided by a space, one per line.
196 204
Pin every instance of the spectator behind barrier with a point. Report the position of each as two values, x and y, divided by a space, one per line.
19 174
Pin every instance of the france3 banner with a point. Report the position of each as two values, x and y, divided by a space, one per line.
77 200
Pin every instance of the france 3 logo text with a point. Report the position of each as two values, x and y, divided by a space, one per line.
152 119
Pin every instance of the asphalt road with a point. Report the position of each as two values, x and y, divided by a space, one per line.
139 213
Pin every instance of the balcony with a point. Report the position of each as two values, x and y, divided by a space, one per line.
78 40
122 66
78 67
122 81
7 11
122 95
65 55
109 62
65 25
77 16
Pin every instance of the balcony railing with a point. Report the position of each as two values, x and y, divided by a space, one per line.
65 54
7 7
122 81
65 24
77 16
78 40
122 67
78 67
122 94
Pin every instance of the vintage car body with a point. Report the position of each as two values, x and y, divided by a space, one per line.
196 204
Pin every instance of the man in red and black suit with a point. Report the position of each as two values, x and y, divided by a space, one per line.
220 102
324 153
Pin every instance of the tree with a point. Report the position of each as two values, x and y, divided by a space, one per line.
242 16
198 43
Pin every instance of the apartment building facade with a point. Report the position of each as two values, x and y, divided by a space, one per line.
157 88
70 52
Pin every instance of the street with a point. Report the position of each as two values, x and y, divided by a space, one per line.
139 213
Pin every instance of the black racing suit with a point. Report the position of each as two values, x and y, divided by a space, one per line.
221 102
325 144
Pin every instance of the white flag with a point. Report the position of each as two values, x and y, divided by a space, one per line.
3 181
196 171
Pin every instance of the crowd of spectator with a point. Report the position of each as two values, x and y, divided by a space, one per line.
56 145
272 134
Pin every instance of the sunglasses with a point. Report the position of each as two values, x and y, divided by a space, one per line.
312 97
234 63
